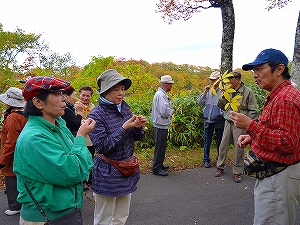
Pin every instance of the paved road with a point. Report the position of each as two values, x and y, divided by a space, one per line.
190 197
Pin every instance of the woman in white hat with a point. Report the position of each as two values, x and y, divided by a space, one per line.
13 123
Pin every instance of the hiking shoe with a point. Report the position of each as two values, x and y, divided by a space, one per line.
11 212
165 167
206 164
219 172
238 178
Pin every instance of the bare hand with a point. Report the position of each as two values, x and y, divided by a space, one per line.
142 121
207 89
240 120
79 108
86 127
132 122
244 140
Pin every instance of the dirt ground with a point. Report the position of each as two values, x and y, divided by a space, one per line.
2 185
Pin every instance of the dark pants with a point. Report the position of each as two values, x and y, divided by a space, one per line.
208 134
92 151
160 136
12 193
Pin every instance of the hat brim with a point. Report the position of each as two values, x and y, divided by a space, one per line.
250 66
12 102
213 78
125 81
169 82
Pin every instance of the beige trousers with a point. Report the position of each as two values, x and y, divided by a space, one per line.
111 210
276 198
230 136
24 222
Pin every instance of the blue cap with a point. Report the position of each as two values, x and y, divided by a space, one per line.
267 55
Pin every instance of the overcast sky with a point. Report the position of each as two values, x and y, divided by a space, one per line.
131 29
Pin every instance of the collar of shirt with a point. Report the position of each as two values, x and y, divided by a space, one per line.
277 90
109 102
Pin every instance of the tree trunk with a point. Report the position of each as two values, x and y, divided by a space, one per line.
295 73
228 20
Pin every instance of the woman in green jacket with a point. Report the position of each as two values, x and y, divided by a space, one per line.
48 158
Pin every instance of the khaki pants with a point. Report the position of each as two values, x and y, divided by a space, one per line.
111 210
230 136
24 222
276 197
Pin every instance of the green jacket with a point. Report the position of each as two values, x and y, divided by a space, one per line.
51 162
248 103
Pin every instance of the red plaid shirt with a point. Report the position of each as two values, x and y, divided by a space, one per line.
275 137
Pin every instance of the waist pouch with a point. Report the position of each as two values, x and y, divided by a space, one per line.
256 167
127 166
74 218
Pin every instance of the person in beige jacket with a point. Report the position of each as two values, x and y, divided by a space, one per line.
231 133
85 95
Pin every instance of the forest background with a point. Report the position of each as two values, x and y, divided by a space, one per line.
186 135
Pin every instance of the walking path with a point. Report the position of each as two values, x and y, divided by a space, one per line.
189 197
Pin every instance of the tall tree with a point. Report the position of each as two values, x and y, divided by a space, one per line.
11 45
175 10
39 59
57 64
295 72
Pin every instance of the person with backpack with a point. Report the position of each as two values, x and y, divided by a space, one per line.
12 125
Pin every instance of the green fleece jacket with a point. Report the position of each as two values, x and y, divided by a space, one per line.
51 162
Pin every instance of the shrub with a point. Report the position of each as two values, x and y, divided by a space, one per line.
186 127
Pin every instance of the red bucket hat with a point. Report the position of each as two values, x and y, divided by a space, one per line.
37 84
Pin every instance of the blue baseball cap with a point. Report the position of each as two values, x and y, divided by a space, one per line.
267 55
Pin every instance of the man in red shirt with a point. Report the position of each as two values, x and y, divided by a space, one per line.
274 138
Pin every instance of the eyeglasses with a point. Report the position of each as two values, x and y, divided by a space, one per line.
258 69
233 77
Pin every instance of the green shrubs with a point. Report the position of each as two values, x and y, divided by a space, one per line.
186 127
187 123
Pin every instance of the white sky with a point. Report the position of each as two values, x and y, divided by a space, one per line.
131 29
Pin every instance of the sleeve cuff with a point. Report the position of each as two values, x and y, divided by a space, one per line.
80 140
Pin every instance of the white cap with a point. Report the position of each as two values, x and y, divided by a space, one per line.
166 79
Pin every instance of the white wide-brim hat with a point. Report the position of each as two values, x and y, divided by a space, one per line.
13 97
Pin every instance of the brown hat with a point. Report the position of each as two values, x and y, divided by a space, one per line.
110 78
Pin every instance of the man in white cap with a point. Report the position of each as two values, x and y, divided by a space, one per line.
161 117
213 115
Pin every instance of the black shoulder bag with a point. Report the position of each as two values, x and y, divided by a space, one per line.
74 217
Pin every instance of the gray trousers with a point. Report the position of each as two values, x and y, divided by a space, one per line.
230 136
276 198
160 136
12 193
